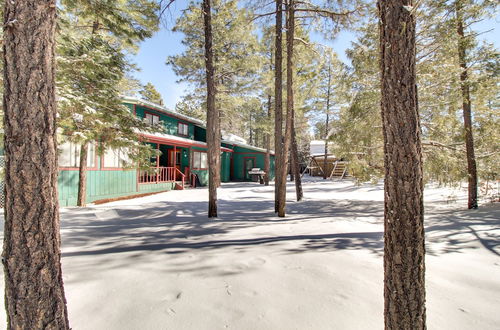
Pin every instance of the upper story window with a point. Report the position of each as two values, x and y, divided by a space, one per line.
151 119
183 129
69 155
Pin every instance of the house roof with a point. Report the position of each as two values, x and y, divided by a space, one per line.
160 108
244 145
176 140
198 122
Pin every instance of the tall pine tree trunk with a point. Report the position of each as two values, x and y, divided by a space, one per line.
267 161
212 115
82 175
34 292
290 24
295 162
466 106
404 249
327 120
278 105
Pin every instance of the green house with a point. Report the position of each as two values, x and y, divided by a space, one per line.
182 161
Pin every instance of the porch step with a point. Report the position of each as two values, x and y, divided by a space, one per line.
178 185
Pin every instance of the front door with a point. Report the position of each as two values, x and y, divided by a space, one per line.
249 163
175 161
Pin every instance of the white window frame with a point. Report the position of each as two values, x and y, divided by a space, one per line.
115 158
182 129
151 118
69 155
200 160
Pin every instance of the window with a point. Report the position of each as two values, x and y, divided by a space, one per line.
183 129
151 119
199 160
116 158
69 155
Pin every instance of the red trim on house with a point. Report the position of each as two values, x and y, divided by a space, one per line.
135 110
156 139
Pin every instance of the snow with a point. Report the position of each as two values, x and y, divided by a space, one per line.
157 262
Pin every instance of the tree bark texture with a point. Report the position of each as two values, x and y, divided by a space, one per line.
82 175
278 104
295 163
290 25
267 161
466 107
212 114
404 249
34 292
327 120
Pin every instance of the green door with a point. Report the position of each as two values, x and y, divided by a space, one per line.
249 164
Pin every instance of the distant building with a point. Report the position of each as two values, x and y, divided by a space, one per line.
317 147
334 167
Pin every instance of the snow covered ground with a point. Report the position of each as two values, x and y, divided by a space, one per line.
158 263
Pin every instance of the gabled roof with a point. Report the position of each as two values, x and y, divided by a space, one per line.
160 108
244 145
177 140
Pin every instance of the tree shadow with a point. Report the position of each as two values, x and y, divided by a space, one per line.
176 227
457 230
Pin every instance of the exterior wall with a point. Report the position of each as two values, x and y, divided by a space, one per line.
239 156
100 185
171 123
225 169
104 183
200 134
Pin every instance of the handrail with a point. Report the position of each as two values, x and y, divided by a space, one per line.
182 175
157 175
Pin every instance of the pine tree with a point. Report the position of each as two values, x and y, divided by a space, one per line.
149 93
455 73
404 245
236 61
279 166
213 129
34 293
92 65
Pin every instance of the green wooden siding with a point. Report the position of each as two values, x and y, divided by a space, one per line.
100 185
104 184
239 155
171 123
145 188
200 134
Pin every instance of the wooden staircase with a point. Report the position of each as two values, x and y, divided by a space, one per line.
339 170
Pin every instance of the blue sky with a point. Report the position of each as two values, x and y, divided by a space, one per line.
153 53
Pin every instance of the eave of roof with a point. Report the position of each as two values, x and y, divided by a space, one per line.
176 140
243 145
154 106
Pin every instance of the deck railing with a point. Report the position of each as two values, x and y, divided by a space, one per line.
161 174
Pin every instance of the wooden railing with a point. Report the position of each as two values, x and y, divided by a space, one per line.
161 174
